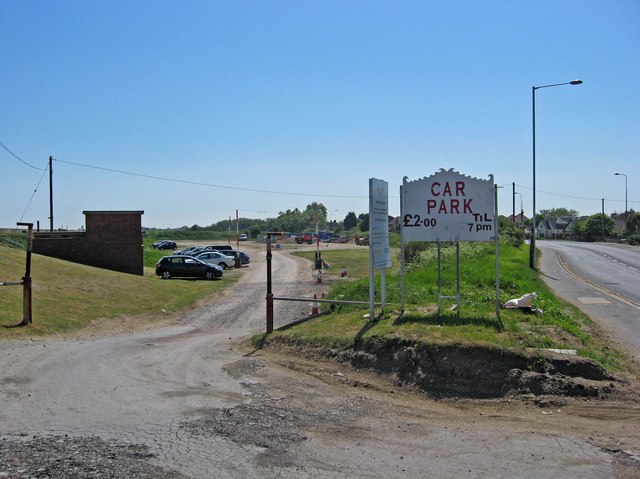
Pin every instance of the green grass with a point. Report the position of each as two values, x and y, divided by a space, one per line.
355 260
152 255
68 296
561 325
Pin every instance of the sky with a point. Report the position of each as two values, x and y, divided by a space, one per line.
192 110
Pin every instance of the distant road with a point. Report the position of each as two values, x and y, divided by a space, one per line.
602 279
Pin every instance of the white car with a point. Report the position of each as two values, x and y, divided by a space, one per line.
215 257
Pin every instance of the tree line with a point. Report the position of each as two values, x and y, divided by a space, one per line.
291 220
298 221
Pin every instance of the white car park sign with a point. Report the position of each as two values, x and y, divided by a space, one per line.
447 206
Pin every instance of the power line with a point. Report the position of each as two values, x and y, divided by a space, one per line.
571 196
236 188
20 159
44 172
253 190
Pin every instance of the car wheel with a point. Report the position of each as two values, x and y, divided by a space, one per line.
223 265
209 274
166 275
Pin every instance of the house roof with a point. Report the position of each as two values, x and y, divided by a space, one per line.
557 224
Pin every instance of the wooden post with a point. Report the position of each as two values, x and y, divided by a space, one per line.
269 288
27 311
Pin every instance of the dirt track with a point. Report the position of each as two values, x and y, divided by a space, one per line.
191 400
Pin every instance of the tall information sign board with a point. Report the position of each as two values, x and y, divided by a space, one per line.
379 251
379 223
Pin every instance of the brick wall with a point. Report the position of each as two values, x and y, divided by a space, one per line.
112 240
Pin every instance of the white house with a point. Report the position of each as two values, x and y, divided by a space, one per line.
550 228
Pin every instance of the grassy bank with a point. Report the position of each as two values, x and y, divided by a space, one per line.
68 296
560 326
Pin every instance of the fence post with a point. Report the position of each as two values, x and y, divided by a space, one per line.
27 314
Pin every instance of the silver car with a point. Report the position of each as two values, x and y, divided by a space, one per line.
217 258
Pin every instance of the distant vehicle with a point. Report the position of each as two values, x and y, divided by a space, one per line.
186 251
305 238
243 237
197 250
224 247
166 245
364 241
244 257
186 267
228 252
217 258
326 236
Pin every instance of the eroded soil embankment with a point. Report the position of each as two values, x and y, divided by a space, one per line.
468 371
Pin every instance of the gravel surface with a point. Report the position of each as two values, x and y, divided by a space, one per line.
67 457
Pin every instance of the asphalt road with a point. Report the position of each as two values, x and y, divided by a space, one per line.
602 279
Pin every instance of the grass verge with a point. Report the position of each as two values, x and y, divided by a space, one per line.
560 326
69 296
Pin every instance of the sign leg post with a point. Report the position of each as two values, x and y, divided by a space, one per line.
269 289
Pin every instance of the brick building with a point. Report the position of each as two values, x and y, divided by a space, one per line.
111 240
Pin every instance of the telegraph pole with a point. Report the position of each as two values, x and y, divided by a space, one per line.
50 193
513 198
602 219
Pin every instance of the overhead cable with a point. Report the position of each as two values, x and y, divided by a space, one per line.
20 159
198 183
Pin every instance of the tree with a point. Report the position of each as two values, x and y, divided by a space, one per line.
254 232
633 222
310 215
592 228
556 213
350 221
297 221
364 222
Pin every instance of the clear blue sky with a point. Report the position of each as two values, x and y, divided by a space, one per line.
311 98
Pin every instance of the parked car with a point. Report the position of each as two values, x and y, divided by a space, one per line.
166 245
186 251
186 267
224 247
243 237
244 257
217 258
197 250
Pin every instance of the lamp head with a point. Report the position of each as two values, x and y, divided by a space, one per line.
576 82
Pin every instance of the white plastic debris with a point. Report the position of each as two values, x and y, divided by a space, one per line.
523 302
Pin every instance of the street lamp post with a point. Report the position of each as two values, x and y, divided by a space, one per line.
626 211
532 242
